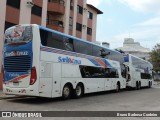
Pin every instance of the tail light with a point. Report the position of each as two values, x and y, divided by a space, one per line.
33 76
3 74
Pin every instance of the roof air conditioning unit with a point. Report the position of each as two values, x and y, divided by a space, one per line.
84 26
30 3
85 9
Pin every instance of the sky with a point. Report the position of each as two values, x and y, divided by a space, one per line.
137 19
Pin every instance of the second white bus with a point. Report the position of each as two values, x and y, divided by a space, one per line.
139 72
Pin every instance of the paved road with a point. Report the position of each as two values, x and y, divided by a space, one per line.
129 100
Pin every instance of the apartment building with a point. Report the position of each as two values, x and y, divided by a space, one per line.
73 17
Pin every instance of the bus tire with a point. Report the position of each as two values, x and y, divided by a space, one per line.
118 87
79 91
67 90
137 85
149 84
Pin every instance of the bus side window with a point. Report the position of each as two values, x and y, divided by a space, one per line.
82 47
111 73
123 71
44 37
84 72
107 73
68 44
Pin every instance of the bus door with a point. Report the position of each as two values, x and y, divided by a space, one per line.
45 86
108 80
57 73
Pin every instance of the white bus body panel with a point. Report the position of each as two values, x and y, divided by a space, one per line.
135 74
52 74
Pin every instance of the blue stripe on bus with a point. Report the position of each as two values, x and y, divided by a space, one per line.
107 63
94 62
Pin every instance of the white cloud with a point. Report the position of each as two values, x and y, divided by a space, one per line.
146 32
143 5
94 2
147 37
151 22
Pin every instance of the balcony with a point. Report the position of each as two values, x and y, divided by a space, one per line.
55 25
56 7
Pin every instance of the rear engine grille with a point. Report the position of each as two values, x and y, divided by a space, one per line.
17 63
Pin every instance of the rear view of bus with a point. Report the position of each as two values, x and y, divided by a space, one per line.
18 68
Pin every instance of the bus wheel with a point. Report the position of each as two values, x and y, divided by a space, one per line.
79 91
66 93
118 87
149 84
137 85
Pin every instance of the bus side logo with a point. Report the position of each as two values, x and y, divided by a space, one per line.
69 60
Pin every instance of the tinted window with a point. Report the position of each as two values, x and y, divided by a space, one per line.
79 9
56 41
89 31
111 73
141 64
36 10
8 25
15 3
79 27
85 48
70 23
98 72
92 72
96 51
123 71
114 56
145 76
90 15
68 44
71 5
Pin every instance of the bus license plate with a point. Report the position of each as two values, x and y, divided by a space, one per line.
16 83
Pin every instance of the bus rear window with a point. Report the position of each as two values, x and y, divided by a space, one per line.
18 34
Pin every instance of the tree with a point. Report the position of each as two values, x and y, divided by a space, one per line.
155 58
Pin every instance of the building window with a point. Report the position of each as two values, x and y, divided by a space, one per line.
36 10
71 5
15 4
70 23
57 1
79 27
89 31
8 25
79 9
90 15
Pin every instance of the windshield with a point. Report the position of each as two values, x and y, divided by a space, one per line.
18 34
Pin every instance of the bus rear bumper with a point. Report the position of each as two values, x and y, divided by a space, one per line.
19 91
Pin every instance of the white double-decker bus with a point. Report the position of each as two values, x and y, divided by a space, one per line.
38 61
139 72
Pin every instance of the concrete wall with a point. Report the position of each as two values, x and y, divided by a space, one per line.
2 23
25 13
44 13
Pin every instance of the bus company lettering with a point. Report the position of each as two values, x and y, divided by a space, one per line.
14 75
69 60
16 53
